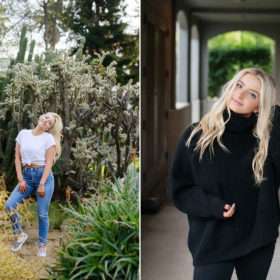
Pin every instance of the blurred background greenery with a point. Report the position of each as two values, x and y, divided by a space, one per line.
233 51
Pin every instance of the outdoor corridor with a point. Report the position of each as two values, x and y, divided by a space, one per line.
165 255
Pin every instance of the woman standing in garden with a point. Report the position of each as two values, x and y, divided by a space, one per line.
225 175
36 151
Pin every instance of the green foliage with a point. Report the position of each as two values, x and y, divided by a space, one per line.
101 24
57 216
31 49
100 117
128 64
8 160
240 39
103 236
9 126
231 52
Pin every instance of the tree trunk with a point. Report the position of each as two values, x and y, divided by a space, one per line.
46 15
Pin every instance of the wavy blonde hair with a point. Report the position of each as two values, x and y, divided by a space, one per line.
212 125
56 132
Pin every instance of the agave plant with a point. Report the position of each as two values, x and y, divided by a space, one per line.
103 238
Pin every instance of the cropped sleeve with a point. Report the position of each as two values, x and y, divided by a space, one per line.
19 136
49 141
186 195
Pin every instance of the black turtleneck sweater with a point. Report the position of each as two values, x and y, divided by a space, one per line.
202 189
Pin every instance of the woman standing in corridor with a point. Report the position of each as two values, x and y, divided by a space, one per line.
225 175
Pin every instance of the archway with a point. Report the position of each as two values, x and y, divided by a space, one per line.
232 51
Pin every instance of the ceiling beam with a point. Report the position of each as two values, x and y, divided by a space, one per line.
235 11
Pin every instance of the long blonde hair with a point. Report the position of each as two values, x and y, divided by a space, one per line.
56 132
212 125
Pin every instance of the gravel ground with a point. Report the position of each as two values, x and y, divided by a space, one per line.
30 248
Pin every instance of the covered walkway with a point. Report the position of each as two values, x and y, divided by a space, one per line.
174 90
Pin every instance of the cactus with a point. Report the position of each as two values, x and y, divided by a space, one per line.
31 49
8 161
22 51
100 117
22 45
9 125
1 148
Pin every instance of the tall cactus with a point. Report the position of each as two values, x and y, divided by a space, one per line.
31 49
1 148
9 126
7 163
22 45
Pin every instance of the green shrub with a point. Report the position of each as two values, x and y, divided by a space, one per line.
57 216
102 237
224 63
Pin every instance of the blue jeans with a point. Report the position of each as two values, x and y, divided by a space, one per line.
32 177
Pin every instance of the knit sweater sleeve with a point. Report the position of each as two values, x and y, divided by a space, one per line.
182 190
274 145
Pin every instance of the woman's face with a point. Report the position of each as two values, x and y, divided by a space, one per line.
46 121
245 98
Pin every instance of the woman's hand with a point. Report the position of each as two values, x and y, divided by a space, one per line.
41 190
230 210
22 186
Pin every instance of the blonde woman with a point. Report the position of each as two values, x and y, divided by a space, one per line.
36 151
225 176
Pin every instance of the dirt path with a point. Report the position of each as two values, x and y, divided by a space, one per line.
30 248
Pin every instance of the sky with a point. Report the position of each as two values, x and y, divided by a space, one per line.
132 19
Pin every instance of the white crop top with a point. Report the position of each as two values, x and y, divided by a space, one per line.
33 148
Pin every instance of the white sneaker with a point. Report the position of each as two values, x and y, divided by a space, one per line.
19 242
42 252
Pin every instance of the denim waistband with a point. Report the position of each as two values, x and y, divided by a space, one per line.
36 169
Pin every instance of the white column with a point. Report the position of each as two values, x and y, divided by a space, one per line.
195 102
204 77
276 67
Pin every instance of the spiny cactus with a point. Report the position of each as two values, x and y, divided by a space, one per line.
8 124
100 117
31 50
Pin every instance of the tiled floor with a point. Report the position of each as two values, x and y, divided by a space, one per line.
165 255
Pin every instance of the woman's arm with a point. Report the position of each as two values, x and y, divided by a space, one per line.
183 191
50 153
18 163
22 186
